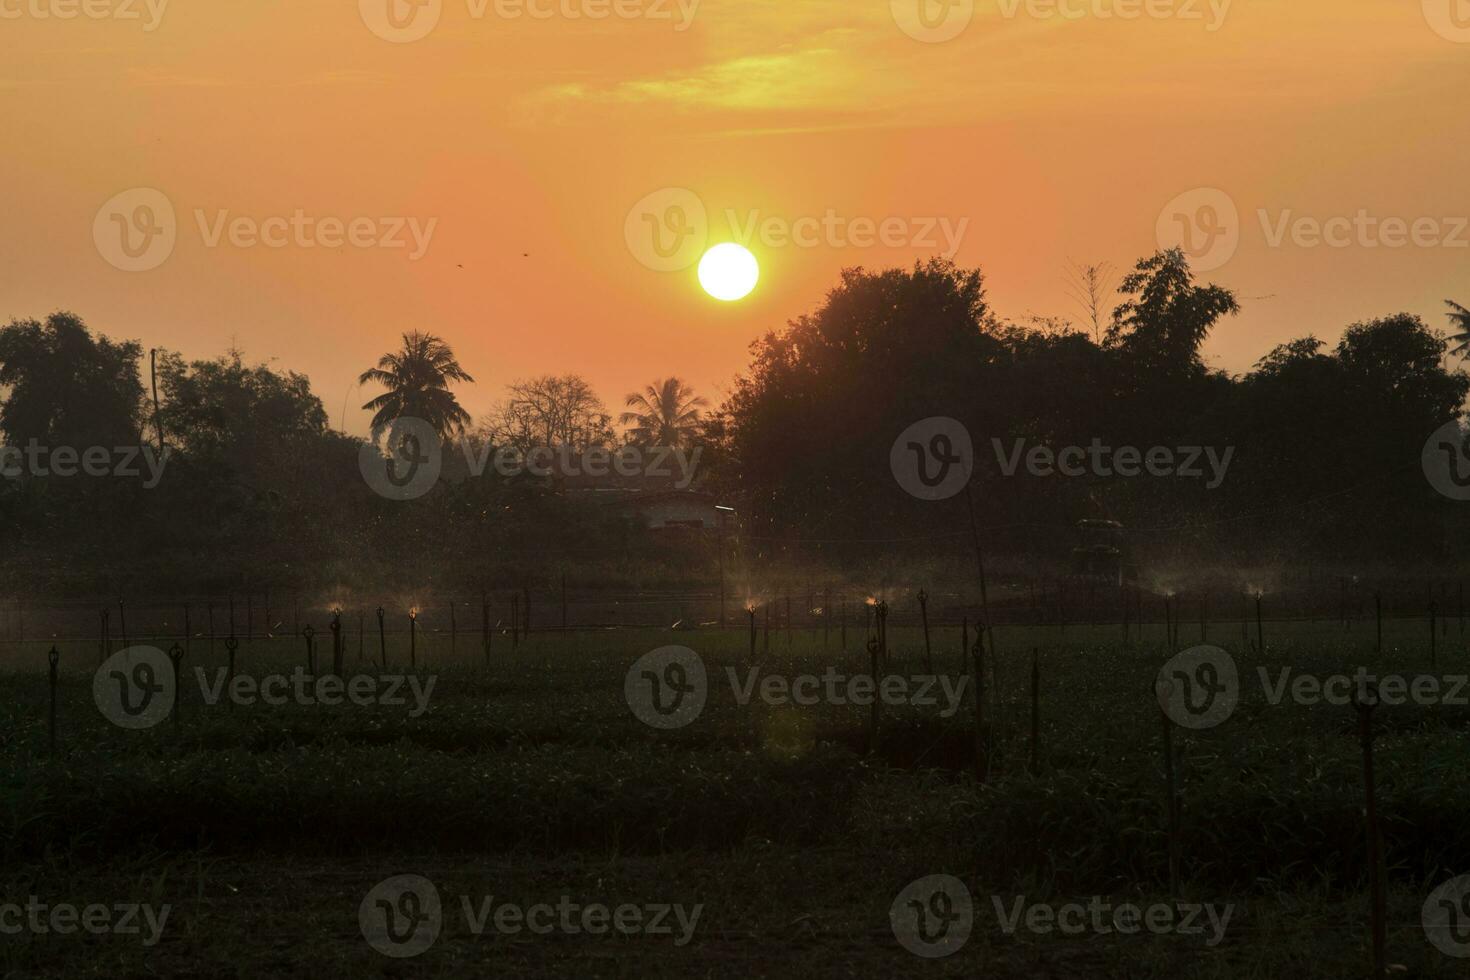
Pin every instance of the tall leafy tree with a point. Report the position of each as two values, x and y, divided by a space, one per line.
1166 317
67 387
666 413
227 408
418 376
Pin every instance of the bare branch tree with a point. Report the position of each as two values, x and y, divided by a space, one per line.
1090 286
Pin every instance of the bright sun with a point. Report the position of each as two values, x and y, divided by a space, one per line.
728 272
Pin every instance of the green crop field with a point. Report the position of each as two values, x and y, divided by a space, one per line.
530 778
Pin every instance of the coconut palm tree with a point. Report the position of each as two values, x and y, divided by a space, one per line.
666 413
417 377
1460 317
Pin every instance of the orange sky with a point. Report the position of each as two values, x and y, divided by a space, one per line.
1045 137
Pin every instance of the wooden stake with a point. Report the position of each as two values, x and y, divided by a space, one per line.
231 644
53 661
1172 804
1378 618
175 655
382 639
1035 710
1377 886
876 711
977 675
1260 633
924 615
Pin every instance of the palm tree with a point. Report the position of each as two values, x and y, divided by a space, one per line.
417 378
1460 317
666 413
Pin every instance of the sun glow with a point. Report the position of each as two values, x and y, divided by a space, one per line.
728 272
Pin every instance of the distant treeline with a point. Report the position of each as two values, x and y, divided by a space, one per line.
1312 456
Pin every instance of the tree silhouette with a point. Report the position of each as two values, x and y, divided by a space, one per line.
1166 316
417 377
1460 317
666 413
67 388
